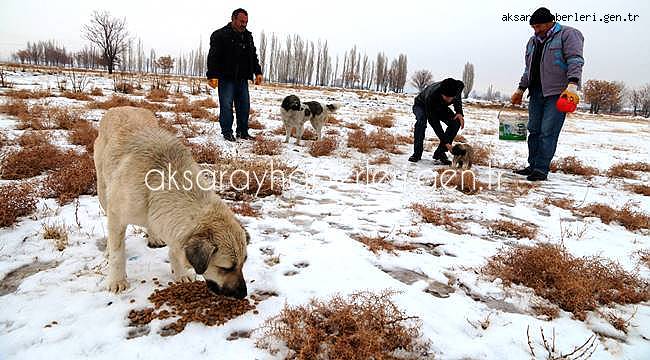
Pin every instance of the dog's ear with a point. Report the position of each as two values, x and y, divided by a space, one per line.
307 112
198 252
458 150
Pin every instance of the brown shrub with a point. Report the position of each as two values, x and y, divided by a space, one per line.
364 174
513 229
627 217
117 100
240 178
96 92
575 284
364 326
31 161
464 181
76 95
323 147
264 146
157 95
379 243
404 139
16 200
382 139
566 204
639 189
76 177
28 94
33 138
58 233
255 124
28 117
436 216
83 133
62 118
481 154
208 102
195 111
383 120
207 153
124 87
352 126
359 139
332 120
644 257
381 159
245 209
571 165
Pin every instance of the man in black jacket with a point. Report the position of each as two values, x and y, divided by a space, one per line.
432 106
232 61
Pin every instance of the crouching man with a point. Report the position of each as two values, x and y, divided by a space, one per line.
432 106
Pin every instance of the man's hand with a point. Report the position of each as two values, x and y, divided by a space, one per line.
258 79
448 146
461 119
213 83
516 98
572 93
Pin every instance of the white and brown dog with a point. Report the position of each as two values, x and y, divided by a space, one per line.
462 156
295 114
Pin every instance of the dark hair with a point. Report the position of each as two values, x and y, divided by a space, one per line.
239 11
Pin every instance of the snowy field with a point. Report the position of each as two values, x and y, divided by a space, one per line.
310 231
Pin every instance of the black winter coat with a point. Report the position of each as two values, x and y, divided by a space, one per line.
436 110
232 55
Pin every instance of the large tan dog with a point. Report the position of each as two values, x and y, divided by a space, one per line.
147 177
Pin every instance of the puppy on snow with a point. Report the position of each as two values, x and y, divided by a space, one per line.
462 156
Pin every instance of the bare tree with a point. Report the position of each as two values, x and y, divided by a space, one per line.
165 63
109 34
468 79
603 95
421 78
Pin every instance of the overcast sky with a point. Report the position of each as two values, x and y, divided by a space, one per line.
437 35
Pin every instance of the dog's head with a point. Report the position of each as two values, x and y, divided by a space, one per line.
291 102
218 253
459 150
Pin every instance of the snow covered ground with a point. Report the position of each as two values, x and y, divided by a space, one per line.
311 226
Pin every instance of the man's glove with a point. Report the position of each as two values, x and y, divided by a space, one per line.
258 79
213 83
516 98
571 93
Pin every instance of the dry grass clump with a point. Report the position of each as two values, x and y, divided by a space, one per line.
639 189
245 209
571 165
383 120
436 216
62 117
16 200
513 229
4 141
28 94
265 146
255 124
28 117
381 159
75 177
83 133
352 126
116 101
185 303
206 153
379 243
195 111
96 92
331 120
323 147
76 95
564 203
366 175
124 87
362 326
463 181
521 188
626 170
157 95
58 233
575 284
627 217
33 138
239 178
481 154
644 257
404 139
208 102
380 139
31 161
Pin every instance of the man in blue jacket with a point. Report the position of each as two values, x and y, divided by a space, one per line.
232 61
553 66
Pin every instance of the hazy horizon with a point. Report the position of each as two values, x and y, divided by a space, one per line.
440 37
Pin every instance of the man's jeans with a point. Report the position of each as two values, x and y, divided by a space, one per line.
421 128
233 91
544 126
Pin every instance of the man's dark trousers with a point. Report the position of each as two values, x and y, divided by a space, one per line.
446 116
233 91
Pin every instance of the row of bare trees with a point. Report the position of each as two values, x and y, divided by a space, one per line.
421 78
298 61
612 96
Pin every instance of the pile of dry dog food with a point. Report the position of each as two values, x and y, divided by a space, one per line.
188 302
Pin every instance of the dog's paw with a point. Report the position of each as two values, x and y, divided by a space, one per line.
117 285
154 243
185 278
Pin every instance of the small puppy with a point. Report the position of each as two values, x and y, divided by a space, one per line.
295 114
462 156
